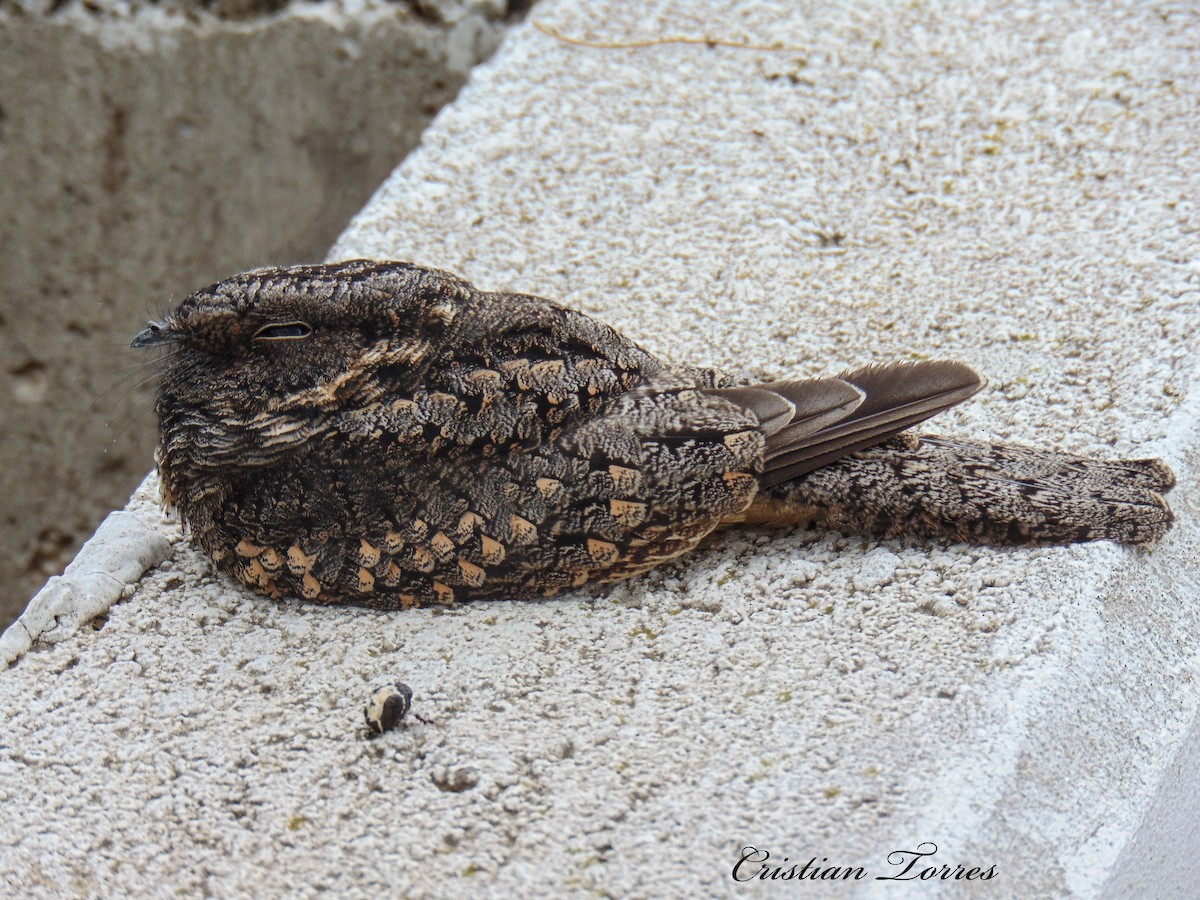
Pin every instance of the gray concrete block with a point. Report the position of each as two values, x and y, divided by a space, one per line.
146 149
1006 185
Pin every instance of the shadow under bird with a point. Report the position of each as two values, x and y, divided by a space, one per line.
387 435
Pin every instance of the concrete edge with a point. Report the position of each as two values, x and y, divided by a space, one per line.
123 548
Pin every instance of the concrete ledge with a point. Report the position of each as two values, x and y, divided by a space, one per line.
126 544
1006 186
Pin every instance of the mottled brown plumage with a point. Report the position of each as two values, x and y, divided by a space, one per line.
387 435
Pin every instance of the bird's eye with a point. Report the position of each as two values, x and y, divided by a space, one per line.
283 331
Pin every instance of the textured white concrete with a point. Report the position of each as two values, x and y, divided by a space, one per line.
1008 187
116 556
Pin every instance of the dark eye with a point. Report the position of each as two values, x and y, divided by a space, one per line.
283 331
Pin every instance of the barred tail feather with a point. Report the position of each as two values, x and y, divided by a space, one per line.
988 493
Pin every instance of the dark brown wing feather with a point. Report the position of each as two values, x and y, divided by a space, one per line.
833 417
789 411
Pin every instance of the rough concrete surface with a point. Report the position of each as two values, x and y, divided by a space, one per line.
1007 186
146 150
107 567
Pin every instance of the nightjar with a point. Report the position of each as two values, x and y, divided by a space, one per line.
384 434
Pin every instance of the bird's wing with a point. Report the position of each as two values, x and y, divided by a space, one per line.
811 423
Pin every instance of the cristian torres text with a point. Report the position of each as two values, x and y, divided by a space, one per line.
907 865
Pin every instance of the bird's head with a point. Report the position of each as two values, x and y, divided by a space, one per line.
256 362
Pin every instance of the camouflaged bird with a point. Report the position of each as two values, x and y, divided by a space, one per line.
386 435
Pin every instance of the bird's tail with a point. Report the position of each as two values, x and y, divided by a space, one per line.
989 493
